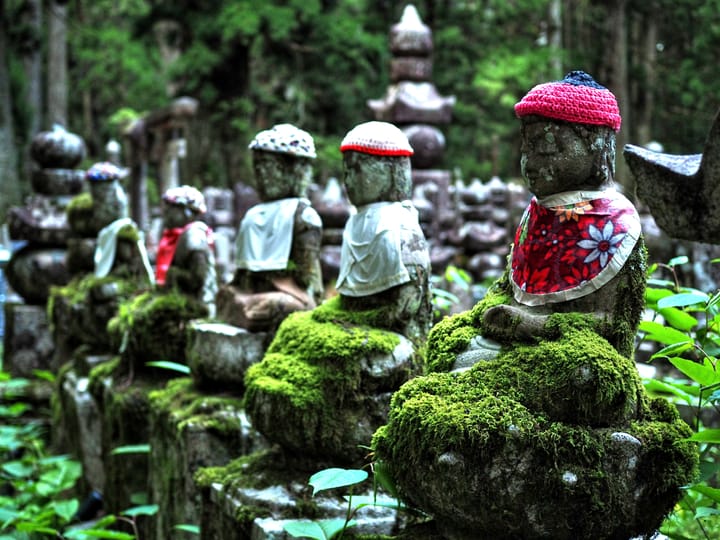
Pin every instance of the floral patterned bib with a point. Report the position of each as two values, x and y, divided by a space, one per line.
570 244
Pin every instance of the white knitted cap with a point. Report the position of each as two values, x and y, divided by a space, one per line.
377 138
285 139
186 196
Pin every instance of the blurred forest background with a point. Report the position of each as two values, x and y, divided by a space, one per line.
93 65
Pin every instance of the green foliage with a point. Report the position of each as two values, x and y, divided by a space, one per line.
687 325
326 529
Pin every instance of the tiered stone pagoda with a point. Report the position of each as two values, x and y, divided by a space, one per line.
413 103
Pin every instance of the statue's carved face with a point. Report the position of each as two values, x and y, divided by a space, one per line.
280 176
558 156
176 215
370 178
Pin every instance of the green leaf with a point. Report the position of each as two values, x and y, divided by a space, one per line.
672 350
663 334
100 533
705 375
18 469
710 492
679 319
44 374
706 435
65 509
132 449
145 510
29 526
683 300
336 478
686 393
361 501
305 529
323 529
706 511
187 527
678 261
172 366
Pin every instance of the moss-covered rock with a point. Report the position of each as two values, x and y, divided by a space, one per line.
557 440
152 326
189 430
324 384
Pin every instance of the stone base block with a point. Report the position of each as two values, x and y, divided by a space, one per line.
190 429
27 340
219 354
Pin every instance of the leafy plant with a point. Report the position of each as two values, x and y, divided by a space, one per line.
334 478
443 298
686 324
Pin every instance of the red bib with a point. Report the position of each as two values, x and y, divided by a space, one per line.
571 244
168 245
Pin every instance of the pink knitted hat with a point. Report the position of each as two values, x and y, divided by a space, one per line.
377 138
577 98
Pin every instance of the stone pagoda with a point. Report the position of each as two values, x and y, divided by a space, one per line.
413 103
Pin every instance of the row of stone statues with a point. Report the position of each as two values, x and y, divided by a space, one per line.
530 399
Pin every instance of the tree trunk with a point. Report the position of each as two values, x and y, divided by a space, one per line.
9 179
617 82
57 94
32 64
648 65
555 32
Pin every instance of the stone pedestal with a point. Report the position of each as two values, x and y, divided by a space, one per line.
189 430
252 498
27 340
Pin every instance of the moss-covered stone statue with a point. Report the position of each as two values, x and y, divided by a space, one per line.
535 423
324 384
278 242
107 253
185 256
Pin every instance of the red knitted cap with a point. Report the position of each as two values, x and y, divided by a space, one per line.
377 138
577 98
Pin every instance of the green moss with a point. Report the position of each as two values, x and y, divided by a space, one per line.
82 202
130 233
452 335
259 470
552 405
189 407
151 326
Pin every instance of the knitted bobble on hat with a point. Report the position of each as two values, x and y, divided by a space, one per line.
577 98
377 138
104 172
186 196
285 139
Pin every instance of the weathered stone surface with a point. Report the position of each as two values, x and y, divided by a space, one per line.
78 428
33 270
219 354
27 340
190 429
681 190
251 506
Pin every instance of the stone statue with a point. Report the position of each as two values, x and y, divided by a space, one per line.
578 247
185 258
324 384
384 260
534 401
278 242
120 247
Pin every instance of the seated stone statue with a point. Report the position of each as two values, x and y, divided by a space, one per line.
534 401
324 384
185 259
384 260
120 247
278 242
578 247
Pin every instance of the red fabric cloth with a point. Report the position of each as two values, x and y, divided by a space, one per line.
168 245
571 245
166 251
